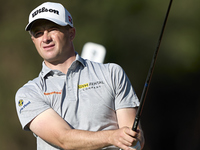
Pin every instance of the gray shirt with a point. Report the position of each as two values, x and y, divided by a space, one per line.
87 97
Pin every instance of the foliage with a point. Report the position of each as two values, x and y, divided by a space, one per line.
129 30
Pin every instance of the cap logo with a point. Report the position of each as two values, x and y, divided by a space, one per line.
44 10
70 19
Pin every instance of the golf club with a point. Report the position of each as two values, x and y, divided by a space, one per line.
149 76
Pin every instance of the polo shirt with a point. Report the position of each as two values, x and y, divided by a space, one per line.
87 97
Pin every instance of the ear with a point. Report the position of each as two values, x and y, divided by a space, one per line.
32 38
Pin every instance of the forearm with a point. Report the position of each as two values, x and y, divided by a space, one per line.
88 140
126 118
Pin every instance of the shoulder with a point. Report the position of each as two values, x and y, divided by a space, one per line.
115 67
106 66
31 87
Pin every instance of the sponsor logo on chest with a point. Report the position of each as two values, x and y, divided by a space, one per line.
90 85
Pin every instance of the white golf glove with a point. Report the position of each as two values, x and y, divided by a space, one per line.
136 147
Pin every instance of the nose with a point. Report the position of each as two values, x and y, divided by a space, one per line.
46 37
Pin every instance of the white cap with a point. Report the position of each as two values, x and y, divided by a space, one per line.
54 12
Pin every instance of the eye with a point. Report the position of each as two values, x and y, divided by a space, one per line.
37 34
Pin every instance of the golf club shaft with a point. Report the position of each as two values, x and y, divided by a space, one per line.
149 76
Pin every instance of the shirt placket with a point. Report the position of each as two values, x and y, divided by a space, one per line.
72 85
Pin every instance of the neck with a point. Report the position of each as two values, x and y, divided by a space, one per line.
61 66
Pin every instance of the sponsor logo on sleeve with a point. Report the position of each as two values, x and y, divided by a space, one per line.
22 105
21 102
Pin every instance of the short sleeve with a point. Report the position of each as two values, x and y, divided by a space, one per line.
29 102
125 96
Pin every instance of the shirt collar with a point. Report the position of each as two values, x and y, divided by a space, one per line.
46 70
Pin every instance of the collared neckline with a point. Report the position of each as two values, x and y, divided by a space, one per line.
46 70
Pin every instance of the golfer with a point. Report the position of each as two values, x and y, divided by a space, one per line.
74 103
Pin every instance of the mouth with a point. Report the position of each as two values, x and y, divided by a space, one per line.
49 47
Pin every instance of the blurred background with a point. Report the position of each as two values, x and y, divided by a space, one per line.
129 30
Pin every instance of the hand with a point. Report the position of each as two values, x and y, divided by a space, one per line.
123 138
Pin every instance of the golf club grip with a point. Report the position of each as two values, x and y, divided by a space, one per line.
150 73
139 110
136 122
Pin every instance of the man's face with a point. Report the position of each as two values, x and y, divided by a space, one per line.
53 42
